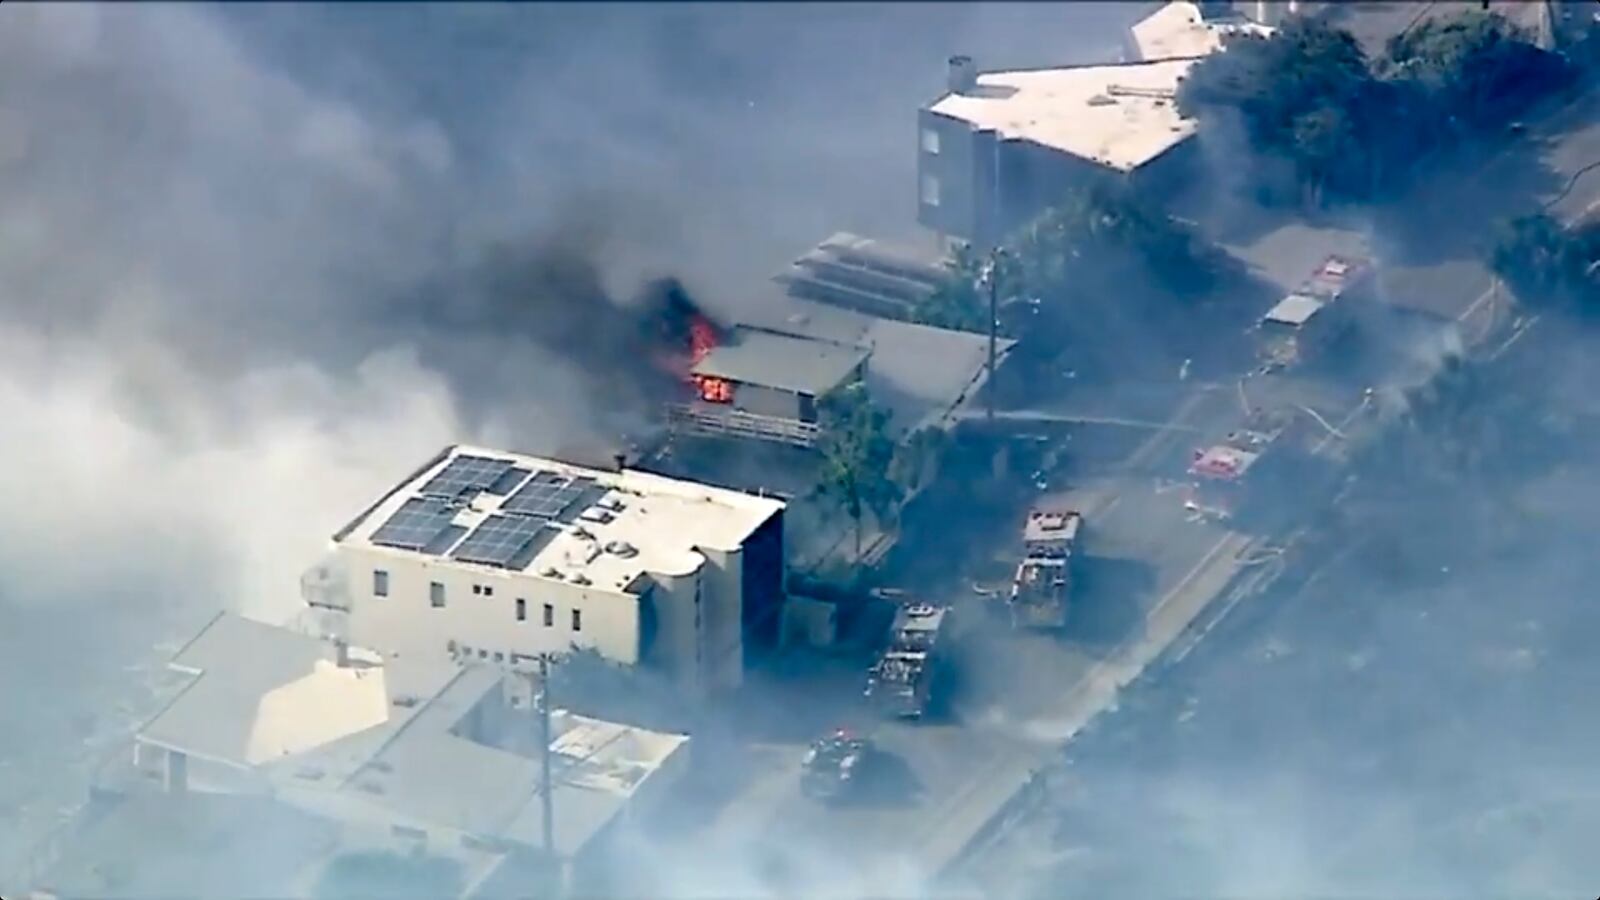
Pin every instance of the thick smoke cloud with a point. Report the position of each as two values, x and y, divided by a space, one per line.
254 263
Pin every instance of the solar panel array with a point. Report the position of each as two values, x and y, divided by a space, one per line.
466 474
502 541
421 523
511 537
547 495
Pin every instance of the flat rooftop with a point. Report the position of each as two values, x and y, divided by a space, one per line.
501 511
786 362
1178 31
1294 310
1120 116
407 755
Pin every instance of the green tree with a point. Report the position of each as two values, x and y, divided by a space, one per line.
1304 93
958 303
857 456
1548 265
1478 68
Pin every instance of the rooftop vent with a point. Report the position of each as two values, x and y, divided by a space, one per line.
581 579
597 515
622 549
611 504
553 572
963 75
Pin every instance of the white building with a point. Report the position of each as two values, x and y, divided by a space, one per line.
1186 30
400 755
499 558
1000 147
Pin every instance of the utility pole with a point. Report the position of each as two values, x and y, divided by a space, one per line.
994 327
547 789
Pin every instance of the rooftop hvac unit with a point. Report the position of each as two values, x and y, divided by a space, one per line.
622 549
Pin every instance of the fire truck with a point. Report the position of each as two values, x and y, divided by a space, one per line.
1310 318
1220 475
1042 587
900 683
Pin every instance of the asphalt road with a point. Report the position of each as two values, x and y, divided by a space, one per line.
1013 697
1371 735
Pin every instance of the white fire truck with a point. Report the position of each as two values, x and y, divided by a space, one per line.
901 682
1042 588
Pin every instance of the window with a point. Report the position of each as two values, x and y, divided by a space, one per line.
488 591
380 583
930 190
930 141
477 589
522 610
549 615
436 595
577 620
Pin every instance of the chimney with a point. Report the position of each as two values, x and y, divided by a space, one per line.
620 460
341 654
963 75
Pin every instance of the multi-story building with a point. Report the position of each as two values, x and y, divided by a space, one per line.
501 558
998 148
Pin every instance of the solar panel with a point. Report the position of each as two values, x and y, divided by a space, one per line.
466 474
500 540
421 523
547 495
508 482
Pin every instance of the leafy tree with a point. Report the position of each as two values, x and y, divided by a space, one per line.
1478 68
1547 264
1352 127
857 454
957 304
1306 93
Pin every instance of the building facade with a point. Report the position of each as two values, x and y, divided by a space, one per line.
1000 148
501 558
766 385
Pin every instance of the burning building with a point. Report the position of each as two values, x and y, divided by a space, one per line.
754 383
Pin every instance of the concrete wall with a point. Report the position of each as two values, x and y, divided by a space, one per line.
405 621
978 206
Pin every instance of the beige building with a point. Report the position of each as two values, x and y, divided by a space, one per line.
397 755
498 558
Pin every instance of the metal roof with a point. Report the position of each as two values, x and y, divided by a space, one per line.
918 372
1295 310
783 361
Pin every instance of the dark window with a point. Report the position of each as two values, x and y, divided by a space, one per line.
436 595
380 583
488 591
522 610
577 620
549 615
477 589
